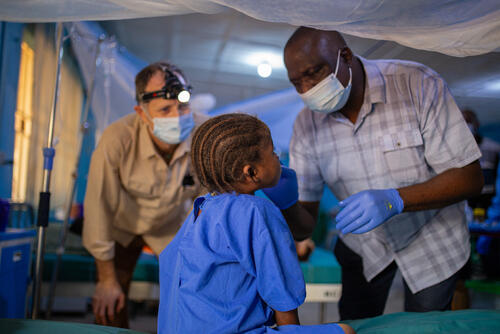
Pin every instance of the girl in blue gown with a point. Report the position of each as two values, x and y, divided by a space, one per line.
232 267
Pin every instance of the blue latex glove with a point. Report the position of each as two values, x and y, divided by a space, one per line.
483 244
286 192
364 211
494 210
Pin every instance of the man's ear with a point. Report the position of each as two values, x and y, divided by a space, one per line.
142 114
347 54
138 109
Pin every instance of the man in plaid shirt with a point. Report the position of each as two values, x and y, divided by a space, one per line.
388 139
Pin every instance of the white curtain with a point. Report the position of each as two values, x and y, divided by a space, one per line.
113 72
456 27
67 122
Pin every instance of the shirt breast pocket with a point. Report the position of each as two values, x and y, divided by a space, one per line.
403 154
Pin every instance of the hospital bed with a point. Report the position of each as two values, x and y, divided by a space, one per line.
322 274
77 277
452 322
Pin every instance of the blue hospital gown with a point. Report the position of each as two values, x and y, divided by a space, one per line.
228 268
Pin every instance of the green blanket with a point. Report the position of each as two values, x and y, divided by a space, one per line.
25 326
453 322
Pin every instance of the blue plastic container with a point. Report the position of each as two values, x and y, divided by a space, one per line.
4 214
15 259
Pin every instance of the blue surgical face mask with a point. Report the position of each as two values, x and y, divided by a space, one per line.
172 130
329 94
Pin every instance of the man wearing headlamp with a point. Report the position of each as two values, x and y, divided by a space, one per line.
140 185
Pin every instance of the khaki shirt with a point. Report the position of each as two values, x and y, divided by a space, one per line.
132 191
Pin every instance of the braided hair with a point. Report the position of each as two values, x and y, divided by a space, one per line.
223 145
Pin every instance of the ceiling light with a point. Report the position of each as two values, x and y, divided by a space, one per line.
275 59
264 69
493 85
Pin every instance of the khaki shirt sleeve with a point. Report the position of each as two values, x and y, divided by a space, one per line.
101 198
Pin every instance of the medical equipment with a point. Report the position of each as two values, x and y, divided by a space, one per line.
175 88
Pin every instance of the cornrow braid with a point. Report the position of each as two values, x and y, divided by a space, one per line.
223 145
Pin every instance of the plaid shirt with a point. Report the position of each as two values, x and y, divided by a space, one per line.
409 129
490 150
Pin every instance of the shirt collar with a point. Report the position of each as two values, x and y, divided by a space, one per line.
183 148
375 89
146 144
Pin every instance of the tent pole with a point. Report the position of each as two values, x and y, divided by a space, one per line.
44 201
64 230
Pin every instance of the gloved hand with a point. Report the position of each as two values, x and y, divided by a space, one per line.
364 211
286 192
483 244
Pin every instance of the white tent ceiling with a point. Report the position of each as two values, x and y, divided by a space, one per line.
214 49
216 53
456 27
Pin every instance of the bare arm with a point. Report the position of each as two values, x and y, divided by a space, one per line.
304 248
287 318
347 329
292 318
108 296
449 187
301 218
105 270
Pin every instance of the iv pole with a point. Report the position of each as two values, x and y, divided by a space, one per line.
64 231
44 201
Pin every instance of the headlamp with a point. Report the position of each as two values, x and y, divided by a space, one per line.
175 88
